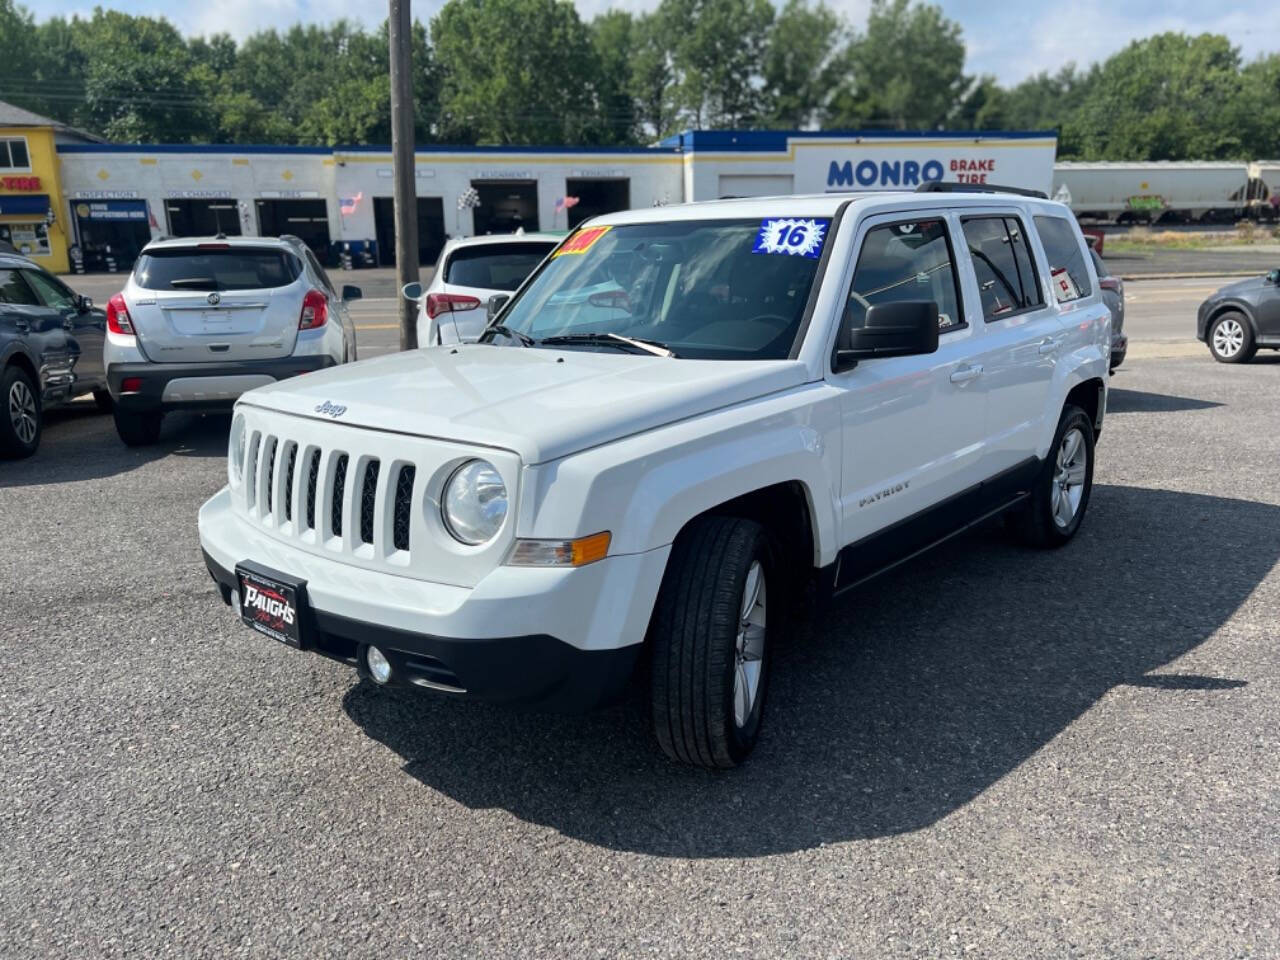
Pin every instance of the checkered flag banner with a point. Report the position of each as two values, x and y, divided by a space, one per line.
468 199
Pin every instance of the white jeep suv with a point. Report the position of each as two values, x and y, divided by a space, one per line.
681 419
200 321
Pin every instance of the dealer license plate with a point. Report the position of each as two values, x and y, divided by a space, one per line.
272 603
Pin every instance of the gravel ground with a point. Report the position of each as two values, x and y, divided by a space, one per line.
990 752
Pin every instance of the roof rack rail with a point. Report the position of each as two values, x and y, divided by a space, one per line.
940 186
290 238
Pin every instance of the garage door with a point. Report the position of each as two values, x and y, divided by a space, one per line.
733 185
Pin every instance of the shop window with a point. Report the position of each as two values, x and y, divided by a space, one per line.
13 154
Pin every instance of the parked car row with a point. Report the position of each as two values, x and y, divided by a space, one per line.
197 324
200 321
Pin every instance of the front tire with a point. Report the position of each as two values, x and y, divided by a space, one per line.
22 419
710 642
138 429
1231 338
1060 493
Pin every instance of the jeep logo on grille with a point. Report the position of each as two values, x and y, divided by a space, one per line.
328 409
214 299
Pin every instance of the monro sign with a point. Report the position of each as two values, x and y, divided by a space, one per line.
890 163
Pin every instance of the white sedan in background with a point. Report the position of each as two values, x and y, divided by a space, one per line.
453 308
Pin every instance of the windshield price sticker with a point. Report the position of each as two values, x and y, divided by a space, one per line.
792 237
581 242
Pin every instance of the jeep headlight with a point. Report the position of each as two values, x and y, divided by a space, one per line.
236 449
474 504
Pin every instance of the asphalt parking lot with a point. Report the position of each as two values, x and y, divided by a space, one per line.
989 752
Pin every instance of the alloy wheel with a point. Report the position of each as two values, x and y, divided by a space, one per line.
1067 489
749 648
22 411
1228 338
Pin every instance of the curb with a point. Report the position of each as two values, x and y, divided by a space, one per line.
1190 276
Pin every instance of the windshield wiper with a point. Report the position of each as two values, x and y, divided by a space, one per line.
522 338
198 283
655 347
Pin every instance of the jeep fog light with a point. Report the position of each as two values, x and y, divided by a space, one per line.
379 665
560 553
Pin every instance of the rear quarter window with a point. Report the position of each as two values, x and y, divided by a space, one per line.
231 268
1062 245
498 266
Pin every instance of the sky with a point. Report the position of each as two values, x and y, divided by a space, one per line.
1011 44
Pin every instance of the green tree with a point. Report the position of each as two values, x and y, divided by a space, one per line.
1168 97
515 71
1260 94
140 83
613 37
906 71
652 76
717 57
799 64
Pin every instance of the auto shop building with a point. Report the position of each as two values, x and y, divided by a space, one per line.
338 200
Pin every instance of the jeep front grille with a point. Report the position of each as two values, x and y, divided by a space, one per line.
368 500
381 508
339 491
404 502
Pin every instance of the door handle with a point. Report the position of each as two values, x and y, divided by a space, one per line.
68 323
965 374
1048 345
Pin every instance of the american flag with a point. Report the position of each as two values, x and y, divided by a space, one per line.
348 204
468 199
564 203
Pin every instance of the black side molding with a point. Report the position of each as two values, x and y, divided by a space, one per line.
911 536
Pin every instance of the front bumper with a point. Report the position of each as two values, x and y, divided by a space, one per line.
202 386
560 639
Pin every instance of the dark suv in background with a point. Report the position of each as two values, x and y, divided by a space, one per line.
50 351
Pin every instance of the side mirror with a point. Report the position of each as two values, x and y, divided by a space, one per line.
84 304
1273 276
496 303
350 292
902 329
411 291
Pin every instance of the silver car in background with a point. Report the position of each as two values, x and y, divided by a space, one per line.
1113 295
201 321
453 307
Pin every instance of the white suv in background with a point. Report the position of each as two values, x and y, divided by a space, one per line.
453 307
686 418
200 321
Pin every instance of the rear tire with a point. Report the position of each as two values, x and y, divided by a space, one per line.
21 418
138 429
1230 338
1060 493
710 668
103 399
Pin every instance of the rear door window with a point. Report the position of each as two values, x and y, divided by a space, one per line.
911 260
1067 270
227 268
14 289
495 266
1007 282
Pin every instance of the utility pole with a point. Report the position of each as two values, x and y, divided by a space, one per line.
400 29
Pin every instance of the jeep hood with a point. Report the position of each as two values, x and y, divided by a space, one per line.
540 403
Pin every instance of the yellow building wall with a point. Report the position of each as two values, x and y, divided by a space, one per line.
44 164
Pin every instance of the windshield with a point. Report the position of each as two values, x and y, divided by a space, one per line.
495 266
212 268
707 289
